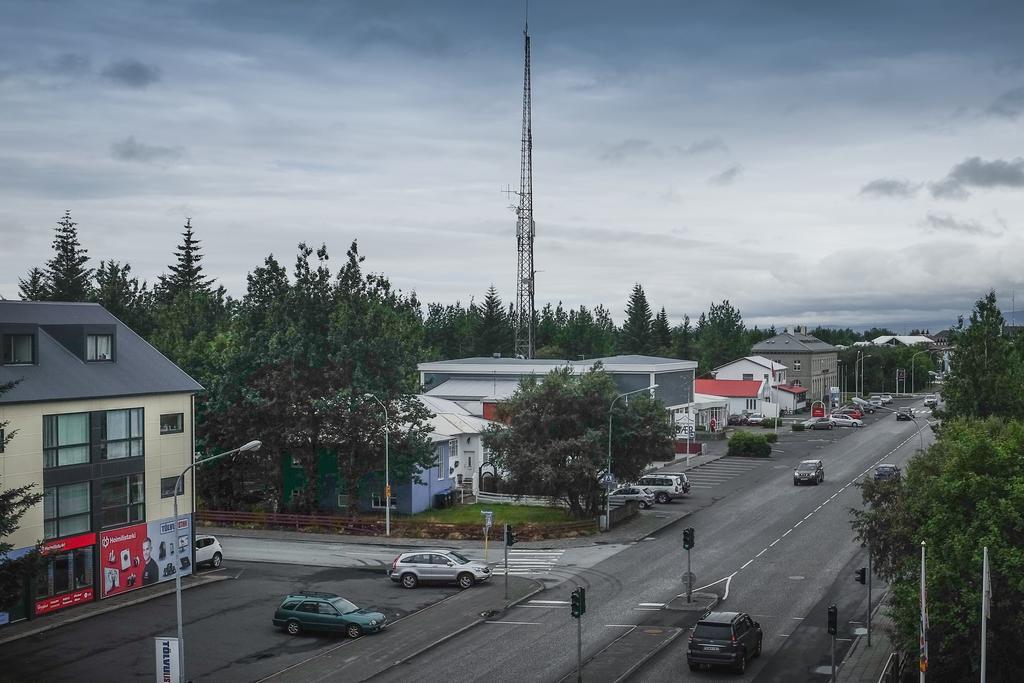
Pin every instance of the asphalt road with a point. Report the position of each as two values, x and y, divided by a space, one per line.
777 551
228 632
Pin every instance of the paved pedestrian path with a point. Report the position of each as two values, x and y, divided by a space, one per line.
711 474
528 562
865 664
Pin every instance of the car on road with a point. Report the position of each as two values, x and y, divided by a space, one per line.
808 472
886 399
326 612
641 495
905 413
886 471
754 418
931 400
843 420
665 487
737 419
437 566
730 638
208 551
819 423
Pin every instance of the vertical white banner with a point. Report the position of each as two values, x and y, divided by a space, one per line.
167 660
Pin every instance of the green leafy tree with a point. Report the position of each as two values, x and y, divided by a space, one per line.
965 493
118 291
34 287
550 324
494 334
661 334
684 340
635 336
556 440
449 331
987 372
67 278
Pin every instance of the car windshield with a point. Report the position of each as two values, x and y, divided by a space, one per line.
458 558
344 606
713 631
807 467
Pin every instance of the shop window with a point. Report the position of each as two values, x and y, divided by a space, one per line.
172 424
65 439
123 500
65 572
19 349
99 347
121 434
167 486
66 510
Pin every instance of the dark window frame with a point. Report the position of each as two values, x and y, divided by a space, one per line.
53 450
181 424
132 440
128 506
91 351
8 348
57 517
167 486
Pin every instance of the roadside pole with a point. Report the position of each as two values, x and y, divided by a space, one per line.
869 595
579 650
578 605
688 543
833 627
504 539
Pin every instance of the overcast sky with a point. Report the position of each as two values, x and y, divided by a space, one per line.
823 163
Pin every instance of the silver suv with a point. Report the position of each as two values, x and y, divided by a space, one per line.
437 566
665 487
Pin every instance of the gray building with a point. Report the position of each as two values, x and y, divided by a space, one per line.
811 362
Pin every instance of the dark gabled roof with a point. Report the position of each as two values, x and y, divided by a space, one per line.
793 343
60 375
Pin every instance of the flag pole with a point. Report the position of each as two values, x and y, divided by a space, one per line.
923 639
986 590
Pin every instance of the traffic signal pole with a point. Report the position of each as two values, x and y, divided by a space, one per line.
833 628
579 649
578 606
505 543
869 594
689 584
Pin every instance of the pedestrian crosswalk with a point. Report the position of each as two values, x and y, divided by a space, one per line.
717 472
527 561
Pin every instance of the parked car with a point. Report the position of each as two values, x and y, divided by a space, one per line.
855 413
876 401
665 487
208 551
754 418
807 472
905 413
437 566
843 420
730 638
642 495
886 399
737 419
326 612
931 400
822 423
886 471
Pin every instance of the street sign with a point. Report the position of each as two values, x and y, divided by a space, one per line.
167 660
689 578
687 432
387 491
488 519
607 478
901 373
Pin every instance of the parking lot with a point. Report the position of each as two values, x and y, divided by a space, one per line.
228 633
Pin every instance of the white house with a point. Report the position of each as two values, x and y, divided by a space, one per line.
743 395
463 431
773 373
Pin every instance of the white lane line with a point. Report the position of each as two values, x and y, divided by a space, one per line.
782 635
746 564
798 618
540 606
774 542
620 625
808 515
800 522
515 623
833 496
647 609
549 602
815 509
787 533
763 551
651 604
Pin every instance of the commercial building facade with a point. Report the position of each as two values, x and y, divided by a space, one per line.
810 362
102 426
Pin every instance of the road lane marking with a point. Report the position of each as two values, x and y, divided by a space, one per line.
620 625
808 515
652 604
774 542
746 564
787 533
763 551
515 623
549 602
800 522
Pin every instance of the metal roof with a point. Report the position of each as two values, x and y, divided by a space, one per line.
475 389
790 342
60 375
525 366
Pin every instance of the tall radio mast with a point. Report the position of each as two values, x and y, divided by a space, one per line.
525 227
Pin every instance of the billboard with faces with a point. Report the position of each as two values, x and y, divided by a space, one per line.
144 554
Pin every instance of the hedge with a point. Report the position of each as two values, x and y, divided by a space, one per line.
750 445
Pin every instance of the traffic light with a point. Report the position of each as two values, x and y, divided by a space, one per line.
579 602
862 575
833 620
510 537
687 538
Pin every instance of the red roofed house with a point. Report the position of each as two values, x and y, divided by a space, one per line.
744 395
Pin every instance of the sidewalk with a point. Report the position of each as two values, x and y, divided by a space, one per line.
865 664
25 629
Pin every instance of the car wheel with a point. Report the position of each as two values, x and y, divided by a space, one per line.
645 505
662 497
353 631
409 580
694 667
465 580
796 483
741 666
757 652
293 628
217 559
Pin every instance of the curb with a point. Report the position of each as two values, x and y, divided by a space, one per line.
110 608
646 658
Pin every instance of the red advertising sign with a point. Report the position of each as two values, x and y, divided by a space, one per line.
818 409
66 600
144 554
63 545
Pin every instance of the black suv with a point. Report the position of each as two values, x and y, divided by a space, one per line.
729 638
904 414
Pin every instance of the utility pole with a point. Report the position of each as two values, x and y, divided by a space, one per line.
578 606
833 624
525 226
869 595
510 539
688 542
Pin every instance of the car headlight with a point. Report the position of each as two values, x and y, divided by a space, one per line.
373 622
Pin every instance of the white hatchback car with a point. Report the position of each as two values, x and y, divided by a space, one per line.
208 551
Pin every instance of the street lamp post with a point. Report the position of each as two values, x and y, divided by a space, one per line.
180 484
387 469
912 368
608 473
861 357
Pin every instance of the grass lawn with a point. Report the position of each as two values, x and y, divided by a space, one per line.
513 514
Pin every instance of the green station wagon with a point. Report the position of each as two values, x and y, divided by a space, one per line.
326 612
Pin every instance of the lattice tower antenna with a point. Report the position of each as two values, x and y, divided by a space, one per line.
525 227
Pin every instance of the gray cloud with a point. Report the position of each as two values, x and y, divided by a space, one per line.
69 64
890 187
1009 105
976 172
728 176
703 146
131 149
132 73
946 223
629 148
635 147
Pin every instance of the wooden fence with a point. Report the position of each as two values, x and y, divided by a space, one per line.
401 528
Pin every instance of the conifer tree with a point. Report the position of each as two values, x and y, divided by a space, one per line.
635 336
661 333
186 276
494 334
34 287
67 278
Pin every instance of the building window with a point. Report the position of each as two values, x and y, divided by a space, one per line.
122 434
748 376
65 439
751 404
65 572
796 365
167 486
172 424
123 500
1 441
66 510
377 502
18 349
99 347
